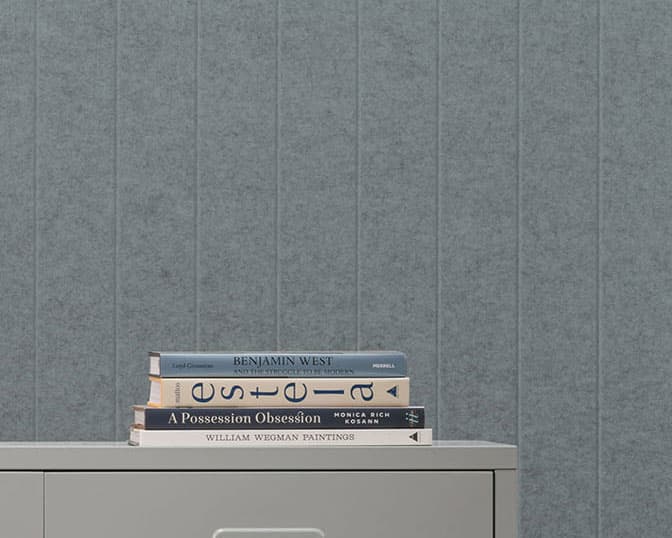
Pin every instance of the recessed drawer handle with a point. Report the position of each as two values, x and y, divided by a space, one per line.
268 533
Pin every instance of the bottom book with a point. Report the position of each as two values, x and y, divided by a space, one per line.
229 438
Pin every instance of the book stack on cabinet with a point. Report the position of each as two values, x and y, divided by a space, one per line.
279 399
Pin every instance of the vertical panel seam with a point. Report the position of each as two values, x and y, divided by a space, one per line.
36 42
599 274
115 270
519 47
358 178
197 71
277 175
437 196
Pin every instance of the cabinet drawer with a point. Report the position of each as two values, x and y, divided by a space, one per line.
267 504
21 504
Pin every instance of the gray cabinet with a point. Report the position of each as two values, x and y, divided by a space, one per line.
452 490
21 504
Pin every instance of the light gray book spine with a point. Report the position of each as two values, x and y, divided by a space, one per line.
278 364
196 438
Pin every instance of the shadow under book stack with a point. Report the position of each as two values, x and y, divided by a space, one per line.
279 399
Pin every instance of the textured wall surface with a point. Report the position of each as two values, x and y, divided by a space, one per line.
486 185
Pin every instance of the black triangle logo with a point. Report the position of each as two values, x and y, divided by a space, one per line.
393 391
414 436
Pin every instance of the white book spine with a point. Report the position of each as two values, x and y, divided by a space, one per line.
243 438
279 392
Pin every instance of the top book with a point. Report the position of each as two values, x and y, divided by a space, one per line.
278 364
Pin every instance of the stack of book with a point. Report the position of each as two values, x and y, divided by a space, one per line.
279 398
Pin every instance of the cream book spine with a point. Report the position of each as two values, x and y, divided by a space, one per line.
249 438
279 392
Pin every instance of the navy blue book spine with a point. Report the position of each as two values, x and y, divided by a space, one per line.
301 364
249 418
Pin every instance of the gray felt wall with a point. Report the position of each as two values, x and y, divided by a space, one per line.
486 185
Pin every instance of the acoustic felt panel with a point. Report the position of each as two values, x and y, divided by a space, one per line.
237 175
558 267
636 159
17 220
398 181
156 207
478 220
316 174
75 172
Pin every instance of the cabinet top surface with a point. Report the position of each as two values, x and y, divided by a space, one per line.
442 455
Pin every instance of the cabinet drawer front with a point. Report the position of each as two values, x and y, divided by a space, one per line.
221 504
21 504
